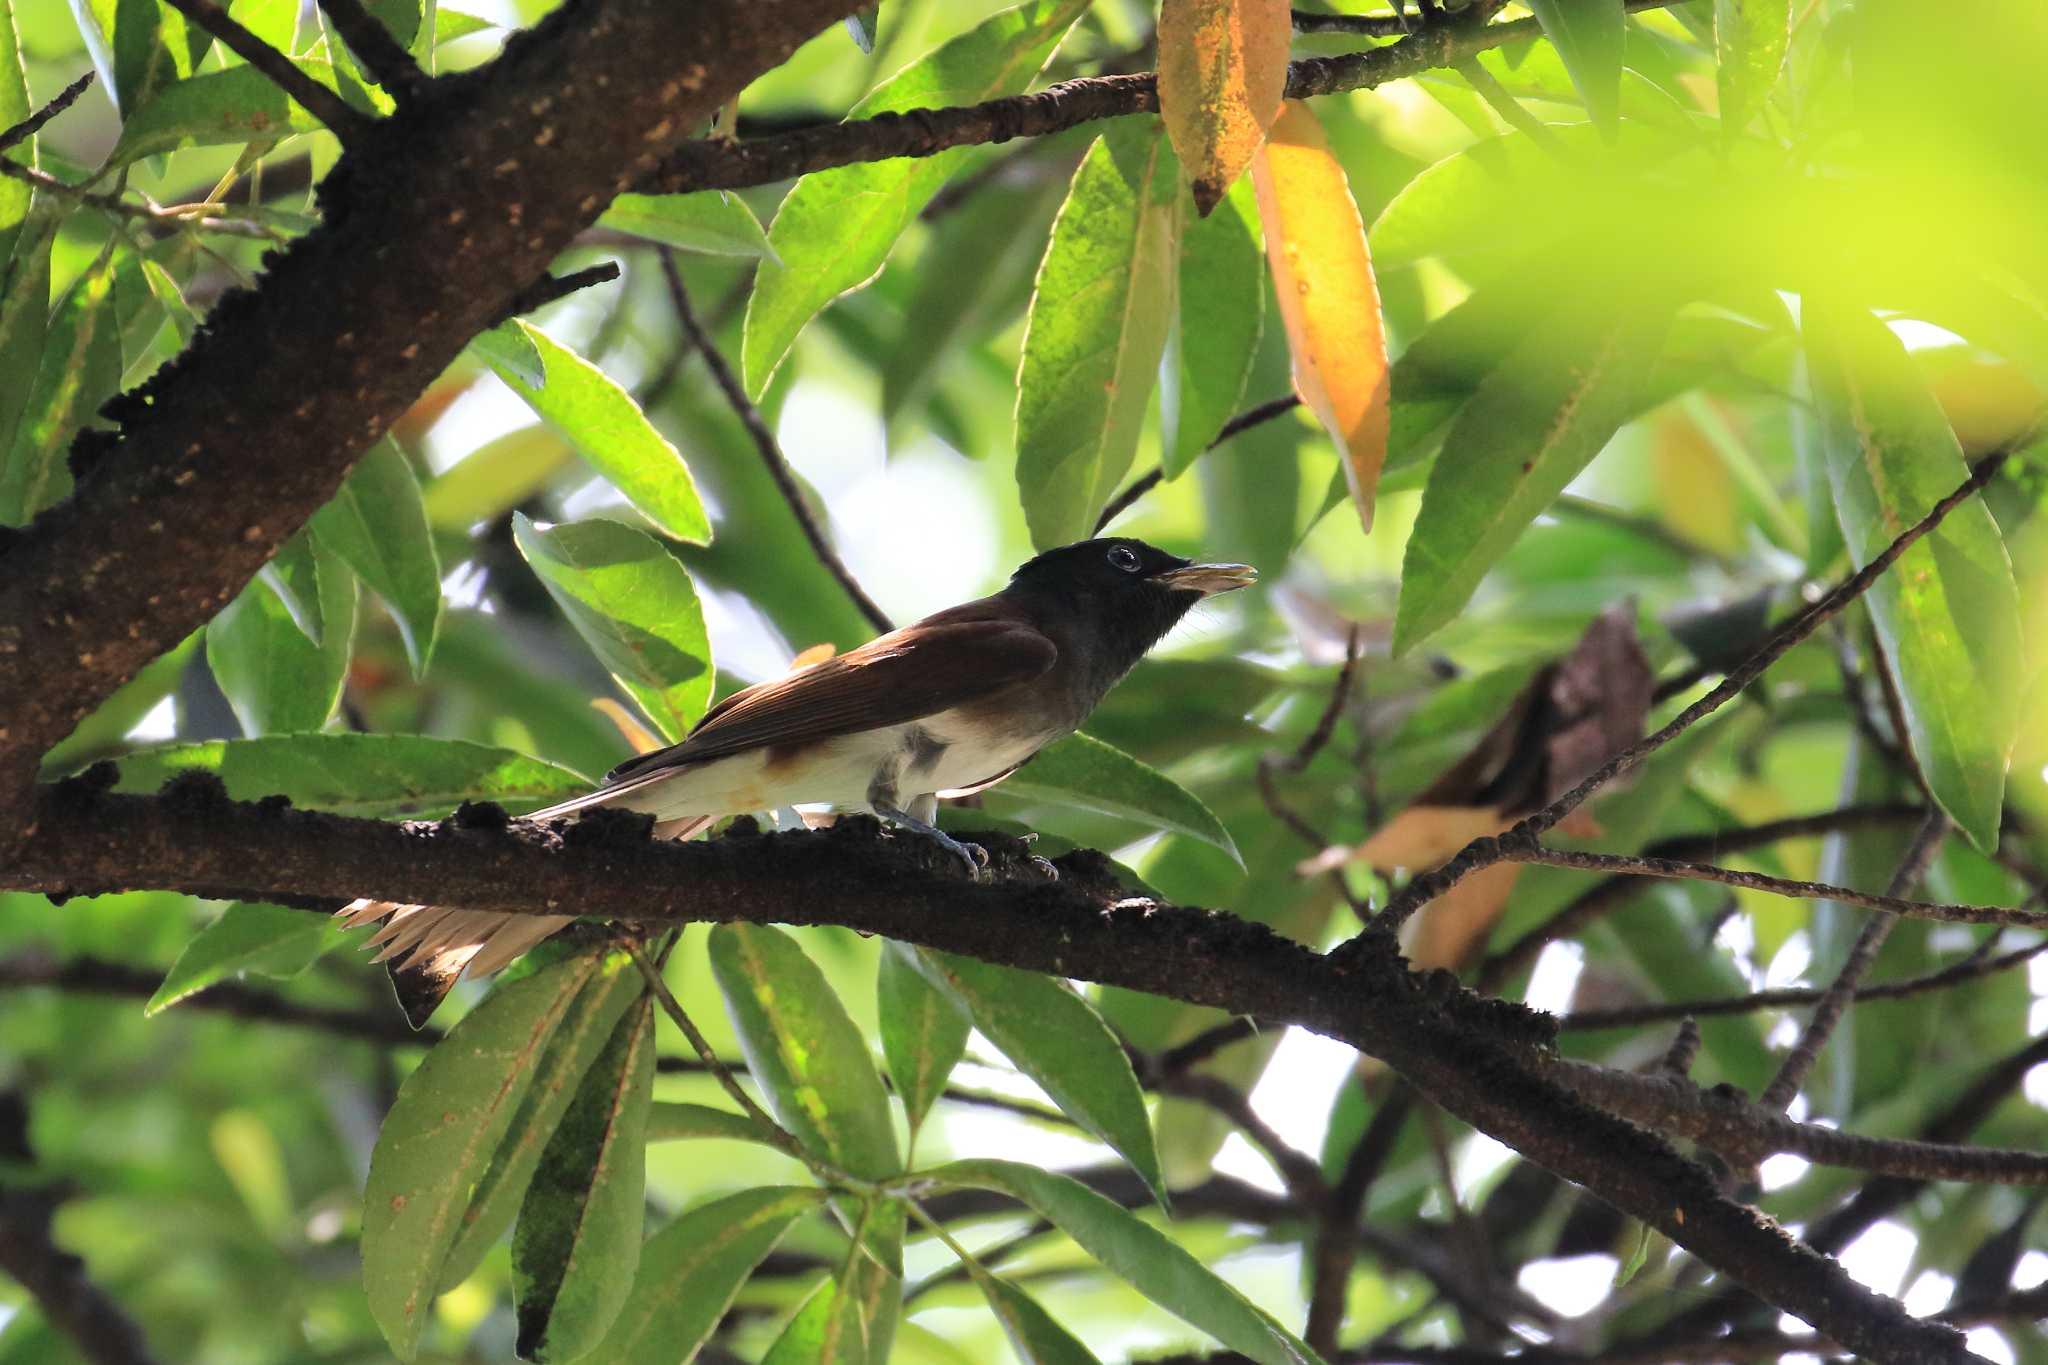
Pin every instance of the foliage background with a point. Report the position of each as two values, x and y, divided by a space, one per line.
218 1155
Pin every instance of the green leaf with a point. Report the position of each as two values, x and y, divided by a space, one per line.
583 1031
1215 338
165 291
277 680
863 24
1098 326
691 1271
1083 772
105 730
1035 1335
1059 1041
835 228
368 775
1153 1265
496 477
709 221
1534 423
24 314
603 422
450 1118
806 1054
14 195
509 348
923 1034
868 1294
1590 35
577 1245
293 573
151 50
669 1122
1947 613
632 602
80 369
802 1339
238 104
378 524
1750 38
248 937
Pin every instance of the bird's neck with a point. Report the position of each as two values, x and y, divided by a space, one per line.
1095 650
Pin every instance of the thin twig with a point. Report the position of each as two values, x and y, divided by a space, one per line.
549 288
1542 856
33 124
1842 990
1336 1244
1976 965
1146 482
1303 1176
179 217
765 443
342 119
382 56
1523 835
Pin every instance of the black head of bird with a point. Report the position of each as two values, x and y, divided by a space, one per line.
952 703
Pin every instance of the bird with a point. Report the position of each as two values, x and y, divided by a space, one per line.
948 705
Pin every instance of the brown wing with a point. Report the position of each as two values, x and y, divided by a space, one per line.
943 661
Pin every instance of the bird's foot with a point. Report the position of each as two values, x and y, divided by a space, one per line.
973 855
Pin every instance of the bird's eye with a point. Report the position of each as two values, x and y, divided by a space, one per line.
1124 557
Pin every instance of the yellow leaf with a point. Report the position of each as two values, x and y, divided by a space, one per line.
1222 71
816 654
1329 303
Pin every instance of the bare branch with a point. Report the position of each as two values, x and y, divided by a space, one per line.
1146 482
1842 990
389 64
550 288
33 124
1522 837
765 443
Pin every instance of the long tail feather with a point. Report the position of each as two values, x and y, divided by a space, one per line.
428 948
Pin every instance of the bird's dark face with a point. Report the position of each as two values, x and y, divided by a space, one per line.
1122 594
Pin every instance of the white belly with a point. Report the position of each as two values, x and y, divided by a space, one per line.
932 755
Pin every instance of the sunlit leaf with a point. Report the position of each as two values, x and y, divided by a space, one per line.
1157 1268
1590 35
1098 326
668 1122
14 194
1220 315
1329 302
692 1269
834 229
590 408
79 369
368 775
238 104
278 680
24 313
267 940
378 524
709 221
1084 772
1534 423
577 1244
923 1034
1058 1040
1750 37
804 1052
633 603
1222 71
1947 613
496 477
509 349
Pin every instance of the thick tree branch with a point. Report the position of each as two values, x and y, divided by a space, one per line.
343 120
435 219
1478 1059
